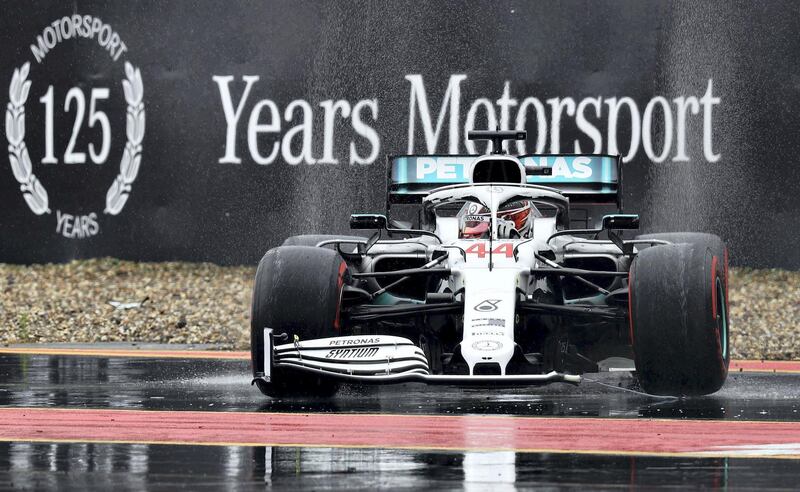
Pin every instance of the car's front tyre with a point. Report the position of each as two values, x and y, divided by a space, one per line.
297 291
679 317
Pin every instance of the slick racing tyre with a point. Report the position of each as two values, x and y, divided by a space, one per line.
314 239
679 315
701 239
689 237
298 291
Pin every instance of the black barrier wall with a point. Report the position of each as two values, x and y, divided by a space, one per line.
212 130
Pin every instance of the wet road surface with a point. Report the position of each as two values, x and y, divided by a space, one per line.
36 454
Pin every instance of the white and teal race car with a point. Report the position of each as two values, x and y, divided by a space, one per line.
494 285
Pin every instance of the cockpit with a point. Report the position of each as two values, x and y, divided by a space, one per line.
514 220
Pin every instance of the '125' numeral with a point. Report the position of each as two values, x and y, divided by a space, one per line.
95 116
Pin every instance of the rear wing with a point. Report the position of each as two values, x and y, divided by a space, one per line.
585 179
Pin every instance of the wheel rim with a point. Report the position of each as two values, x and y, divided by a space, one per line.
722 318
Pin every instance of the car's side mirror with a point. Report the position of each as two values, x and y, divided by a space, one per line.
621 221
368 221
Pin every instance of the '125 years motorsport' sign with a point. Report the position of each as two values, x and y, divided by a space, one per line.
34 192
268 119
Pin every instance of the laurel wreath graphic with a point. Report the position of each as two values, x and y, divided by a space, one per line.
132 155
34 193
32 190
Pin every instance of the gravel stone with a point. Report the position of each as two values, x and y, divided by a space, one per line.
204 303
765 314
180 303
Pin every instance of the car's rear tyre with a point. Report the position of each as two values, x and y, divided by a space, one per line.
679 316
298 291
314 239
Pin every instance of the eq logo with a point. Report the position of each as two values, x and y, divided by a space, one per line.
487 305
93 121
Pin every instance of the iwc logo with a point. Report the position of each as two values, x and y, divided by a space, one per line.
77 29
487 345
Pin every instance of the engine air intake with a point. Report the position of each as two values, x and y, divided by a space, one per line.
497 171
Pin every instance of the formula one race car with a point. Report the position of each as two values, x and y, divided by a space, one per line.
495 285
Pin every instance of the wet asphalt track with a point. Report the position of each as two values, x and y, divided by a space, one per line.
451 453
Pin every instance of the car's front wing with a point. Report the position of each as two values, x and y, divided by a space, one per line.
378 359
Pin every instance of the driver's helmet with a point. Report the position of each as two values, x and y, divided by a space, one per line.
515 219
